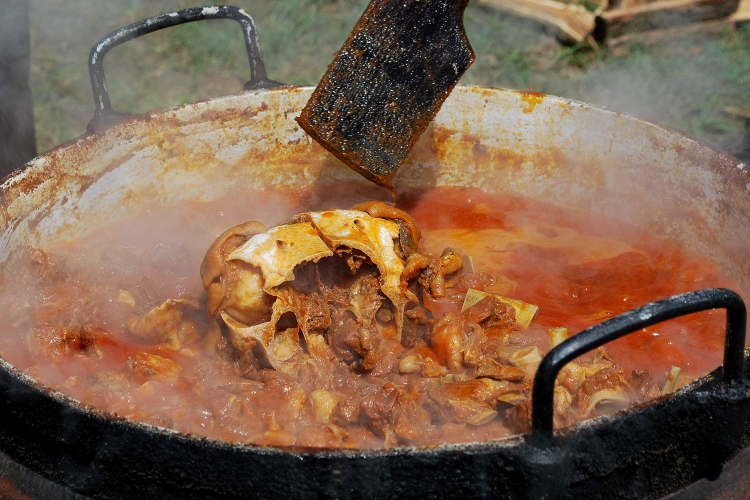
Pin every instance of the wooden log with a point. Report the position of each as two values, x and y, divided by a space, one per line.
388 82
663 14
621 45
629 4
571 23
595 6
742 14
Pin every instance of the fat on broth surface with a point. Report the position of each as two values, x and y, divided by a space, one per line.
579 269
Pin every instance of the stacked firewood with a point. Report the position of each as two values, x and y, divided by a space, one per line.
619 21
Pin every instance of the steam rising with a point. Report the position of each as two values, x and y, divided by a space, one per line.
683 82
509 53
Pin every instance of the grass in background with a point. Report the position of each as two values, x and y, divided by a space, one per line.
174 66
684 85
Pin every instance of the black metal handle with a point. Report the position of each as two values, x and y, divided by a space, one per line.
619 326
104 115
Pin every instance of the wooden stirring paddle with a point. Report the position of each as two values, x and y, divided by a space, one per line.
388 82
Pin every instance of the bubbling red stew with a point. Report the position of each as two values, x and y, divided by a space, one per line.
330 322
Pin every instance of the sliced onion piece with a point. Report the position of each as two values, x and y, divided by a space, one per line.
562 403
606 396
483 417
672 378
557 336
526 356
512 398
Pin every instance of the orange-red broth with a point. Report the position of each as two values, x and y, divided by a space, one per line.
578 268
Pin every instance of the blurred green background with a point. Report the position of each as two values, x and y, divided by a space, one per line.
685 83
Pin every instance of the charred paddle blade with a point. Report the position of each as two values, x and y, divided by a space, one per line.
387 82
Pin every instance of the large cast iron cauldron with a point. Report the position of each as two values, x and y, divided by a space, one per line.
561 151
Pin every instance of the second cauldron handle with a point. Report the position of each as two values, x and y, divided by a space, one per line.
104 115
631 321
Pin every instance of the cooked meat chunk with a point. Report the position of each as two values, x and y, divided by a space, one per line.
642 385
311 310
346 412
53 341
471 402
447 341
344 336
329 297
333 329
90 338
165 323
607 379
473 354
221 277
490 368
477 281
421 359
417 326
413 424
434 276
518 417
376 410
415 265
562 404
490 312
153 366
